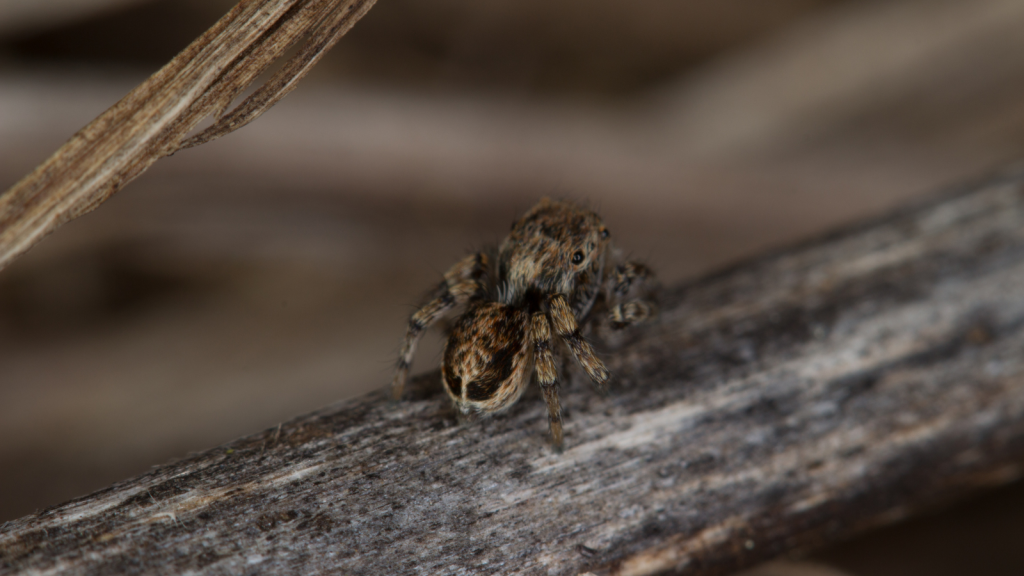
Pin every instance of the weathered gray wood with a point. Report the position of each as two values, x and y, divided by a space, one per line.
785 403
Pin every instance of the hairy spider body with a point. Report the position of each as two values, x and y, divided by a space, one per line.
486 361
545 277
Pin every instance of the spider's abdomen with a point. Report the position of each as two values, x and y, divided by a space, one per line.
486 359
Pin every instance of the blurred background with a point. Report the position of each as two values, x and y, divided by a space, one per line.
270 273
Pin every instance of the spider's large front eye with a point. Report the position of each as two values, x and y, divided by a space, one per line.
577 257
605 234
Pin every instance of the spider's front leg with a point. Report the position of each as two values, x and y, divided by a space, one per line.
565 325
547 374
462 282
630 291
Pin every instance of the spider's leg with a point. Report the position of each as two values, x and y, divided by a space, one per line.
565 325
630 291
547 374
461 283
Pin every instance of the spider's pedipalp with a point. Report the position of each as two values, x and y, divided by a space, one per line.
461 283
632 312
630 291
566 327
547 374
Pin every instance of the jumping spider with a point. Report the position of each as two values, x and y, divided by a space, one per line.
546 277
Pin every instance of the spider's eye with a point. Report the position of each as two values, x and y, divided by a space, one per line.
605 233
577 257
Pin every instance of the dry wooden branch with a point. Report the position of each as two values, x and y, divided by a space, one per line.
779 405
154 119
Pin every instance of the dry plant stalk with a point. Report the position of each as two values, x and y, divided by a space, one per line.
155 118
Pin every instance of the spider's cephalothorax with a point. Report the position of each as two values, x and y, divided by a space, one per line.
545 278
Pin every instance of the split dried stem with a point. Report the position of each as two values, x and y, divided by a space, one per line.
155 119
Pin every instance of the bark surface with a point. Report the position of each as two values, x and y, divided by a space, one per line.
784 403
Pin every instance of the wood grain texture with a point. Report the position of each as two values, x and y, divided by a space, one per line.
155 118
784 403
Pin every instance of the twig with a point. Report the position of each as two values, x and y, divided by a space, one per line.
153 120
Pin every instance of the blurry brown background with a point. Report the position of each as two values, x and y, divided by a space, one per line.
267 274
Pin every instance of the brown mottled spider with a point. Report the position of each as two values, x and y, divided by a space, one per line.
549 272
